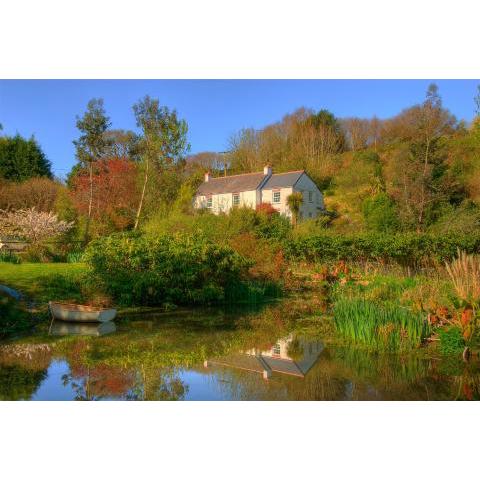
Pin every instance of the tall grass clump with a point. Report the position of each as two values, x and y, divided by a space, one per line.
379 327
464 272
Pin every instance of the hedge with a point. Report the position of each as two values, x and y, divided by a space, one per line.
403 248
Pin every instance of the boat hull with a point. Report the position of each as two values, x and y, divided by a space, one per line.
81 313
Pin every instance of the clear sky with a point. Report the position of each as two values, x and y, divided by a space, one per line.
213 109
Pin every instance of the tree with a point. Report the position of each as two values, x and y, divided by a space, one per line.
380 213
121 144
477 102
39 192
357 132
163 141
419 179
21 159
116 196
32 225
294 202
91 145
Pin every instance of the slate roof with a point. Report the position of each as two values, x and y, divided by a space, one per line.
231 184
248 181
282 180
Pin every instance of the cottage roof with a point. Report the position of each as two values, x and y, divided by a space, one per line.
283 180
248 181
232 184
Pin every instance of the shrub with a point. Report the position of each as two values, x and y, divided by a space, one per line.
403 248
9 257
451 340
37 253
180 268
380 213
221 228
267 260
75 257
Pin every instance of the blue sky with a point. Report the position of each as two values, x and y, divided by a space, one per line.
213 109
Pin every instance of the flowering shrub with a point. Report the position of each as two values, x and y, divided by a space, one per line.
32 225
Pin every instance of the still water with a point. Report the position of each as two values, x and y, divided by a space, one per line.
273 354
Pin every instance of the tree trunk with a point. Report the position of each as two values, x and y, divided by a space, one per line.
140 205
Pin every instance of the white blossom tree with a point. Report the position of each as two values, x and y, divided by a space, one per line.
32 225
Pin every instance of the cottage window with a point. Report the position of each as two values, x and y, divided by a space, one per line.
310 197
209 202
276 197
236 199
276 349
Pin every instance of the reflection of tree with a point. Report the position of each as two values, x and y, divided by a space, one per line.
158 384
18 383
100 381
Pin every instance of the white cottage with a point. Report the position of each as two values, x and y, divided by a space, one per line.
221 194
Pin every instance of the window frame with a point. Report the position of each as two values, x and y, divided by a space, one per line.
279 193
235 195
209 201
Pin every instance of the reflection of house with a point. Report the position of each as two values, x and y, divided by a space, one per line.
278 359
221 194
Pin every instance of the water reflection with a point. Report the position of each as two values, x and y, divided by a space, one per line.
60 328
220 356
289 356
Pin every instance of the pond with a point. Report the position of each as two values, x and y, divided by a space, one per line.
280 352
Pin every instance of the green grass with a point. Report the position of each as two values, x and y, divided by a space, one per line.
44 281
379 327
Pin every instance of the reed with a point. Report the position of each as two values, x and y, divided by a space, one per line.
464 272
379 327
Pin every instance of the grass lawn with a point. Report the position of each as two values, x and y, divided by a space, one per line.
44 281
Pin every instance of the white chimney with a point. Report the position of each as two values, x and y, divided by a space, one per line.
207 176
267 170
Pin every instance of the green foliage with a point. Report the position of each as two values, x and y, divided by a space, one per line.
464 219
21 159
451 340
380 327
180 268
380 213
75 256
92 142
294 202
9 257
219 228
13 316
404 248
17 383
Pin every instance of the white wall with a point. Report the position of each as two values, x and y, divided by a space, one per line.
282 207
309 209
222 202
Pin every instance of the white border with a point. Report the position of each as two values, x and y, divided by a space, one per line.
239 39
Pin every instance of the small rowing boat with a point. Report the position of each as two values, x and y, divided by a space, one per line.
69 312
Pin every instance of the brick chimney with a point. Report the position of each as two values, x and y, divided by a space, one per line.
267 170
207 176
